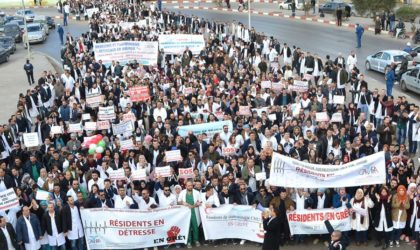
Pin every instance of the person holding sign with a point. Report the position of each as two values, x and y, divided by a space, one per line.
271 224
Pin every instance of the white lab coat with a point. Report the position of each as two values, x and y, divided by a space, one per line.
197 197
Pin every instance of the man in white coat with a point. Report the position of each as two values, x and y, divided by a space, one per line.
166 198
210 198
191 198
351 61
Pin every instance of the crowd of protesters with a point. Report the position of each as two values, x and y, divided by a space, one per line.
226 74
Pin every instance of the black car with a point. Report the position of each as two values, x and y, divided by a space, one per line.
4 55
13 30
50 22
8 43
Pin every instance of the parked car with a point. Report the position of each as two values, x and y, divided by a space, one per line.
380 60
28 14
4 55
43 21
8 43
417 57
13 30
331 7
19 22
287 4
410 80
36 33
50 22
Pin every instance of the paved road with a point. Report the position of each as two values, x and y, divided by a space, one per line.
313 37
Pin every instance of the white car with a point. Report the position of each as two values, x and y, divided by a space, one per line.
43 21
287 4
28 14
36 34
417 57
380 60
410 80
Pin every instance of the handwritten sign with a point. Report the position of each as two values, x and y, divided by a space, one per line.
75 128
8 199
86 117
122 128
338 99
163 171
139 174
93 100
228 151
260 176
101 125
106 113
55 130
90 126
244 110
139 93
300 86
127 144
117 174
173 155
42 195
322 117
266 84
186 172
337 117
30 140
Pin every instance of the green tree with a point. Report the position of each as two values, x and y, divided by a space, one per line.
407 13
364 7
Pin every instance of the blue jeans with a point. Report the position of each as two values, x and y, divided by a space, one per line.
65 19
412 145
364 108
359 41
77 244
401 135
389 87
396 233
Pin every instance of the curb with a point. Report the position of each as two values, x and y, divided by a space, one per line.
276 14
54 63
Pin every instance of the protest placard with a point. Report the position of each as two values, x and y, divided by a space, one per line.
173 155
93 100
118 174
139 93
337 117
322 117
260 176
145 52
244 110
122 128
300 86
31 140
42 195
277 86
129 117
176 43
85 117
106 113
8 199
75 127
188 91
272 117
138 174
338 99
127 144
186 172
100 125
90 126
226 151
56 130
266 84
163 171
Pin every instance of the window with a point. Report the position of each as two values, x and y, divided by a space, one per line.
377 55
414 72
386 56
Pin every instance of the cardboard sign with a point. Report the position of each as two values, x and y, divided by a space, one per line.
30 140
163 171
338 99
226 151
277 87
173 155
42 195
272 117
337 117
122 128
188 91
186 172
139 93
266 84
55 130
129 117
260 176
139 174
117 174
127 144
75 128
101 125
90 126
106 113
85 117
93 100
244 110
300 86
8 199
322 117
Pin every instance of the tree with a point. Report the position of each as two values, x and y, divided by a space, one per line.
364 7
407 13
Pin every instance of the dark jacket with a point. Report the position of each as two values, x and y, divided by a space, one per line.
12 234
46 223
66 218
22 230
272 232
376 211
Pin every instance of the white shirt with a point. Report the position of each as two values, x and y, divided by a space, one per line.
122 203
68 81
76 225
99 182
9 241
160 112
167 201
143 206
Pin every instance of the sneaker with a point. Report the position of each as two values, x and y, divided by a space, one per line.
326 243
155 248
242 242
385 246
316 241
197 244
397 243
189 245
391 244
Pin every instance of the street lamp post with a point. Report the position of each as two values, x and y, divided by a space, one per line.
249 14
26 30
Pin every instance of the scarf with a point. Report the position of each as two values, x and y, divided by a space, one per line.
362 218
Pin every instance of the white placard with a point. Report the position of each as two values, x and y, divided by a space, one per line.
145 52
75 128
177 43
86 117
337 117
138 174
106 113
56 130
186 172
226 151
126 144
266 84
163 171
173 155
260 176
42 195
90 126
8 199
338 99
322 117
118 174
31 140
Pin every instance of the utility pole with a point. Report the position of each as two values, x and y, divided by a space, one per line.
26 31
249 14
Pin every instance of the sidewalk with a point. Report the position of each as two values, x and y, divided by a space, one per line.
266 8
14 79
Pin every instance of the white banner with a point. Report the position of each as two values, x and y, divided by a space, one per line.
8 199
173 155
163 171
176 43
145 52
312 221
75 127
135 228
209 128
31 140
288 172
237 221
122 128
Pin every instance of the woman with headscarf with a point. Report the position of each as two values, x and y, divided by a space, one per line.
382 219
360 216
400 205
